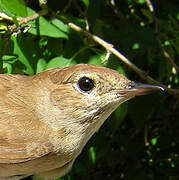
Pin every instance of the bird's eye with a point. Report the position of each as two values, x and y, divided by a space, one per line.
85 84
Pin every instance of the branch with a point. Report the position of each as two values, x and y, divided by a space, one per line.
27 19
109 48
165 54
150 5
4 16
116 11
170 60
67 6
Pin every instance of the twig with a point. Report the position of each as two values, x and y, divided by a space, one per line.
106 45
67 6
28 19
115 9
109 48
106 58
4 16
165 54
149 4
170 60
83 14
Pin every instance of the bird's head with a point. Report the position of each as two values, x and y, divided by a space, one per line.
88 94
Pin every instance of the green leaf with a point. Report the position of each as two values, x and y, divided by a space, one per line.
154 141
59 62
4 9
8 67
59 24
140 1
15 20
28 52
9 58
177 16
176 79
44 28
41 65
22 56
13 8
3 27
70 18
97 59
167 43
121 70
86 3
136 46
92 155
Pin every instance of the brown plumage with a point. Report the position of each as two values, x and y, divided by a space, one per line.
46 119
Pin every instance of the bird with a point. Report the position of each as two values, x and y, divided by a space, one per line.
46 119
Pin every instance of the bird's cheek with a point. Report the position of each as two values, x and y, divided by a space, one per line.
112 99
65 98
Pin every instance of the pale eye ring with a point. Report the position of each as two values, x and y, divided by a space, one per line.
85 84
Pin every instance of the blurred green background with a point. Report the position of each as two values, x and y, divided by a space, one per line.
140 140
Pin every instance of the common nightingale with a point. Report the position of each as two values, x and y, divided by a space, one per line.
46 119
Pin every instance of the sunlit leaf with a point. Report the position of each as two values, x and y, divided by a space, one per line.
13 7
59 62
41 65
22 57
59 24
86 2
8 67
154 141
92 155
44 28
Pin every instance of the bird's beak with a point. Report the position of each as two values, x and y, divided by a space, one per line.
135 89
